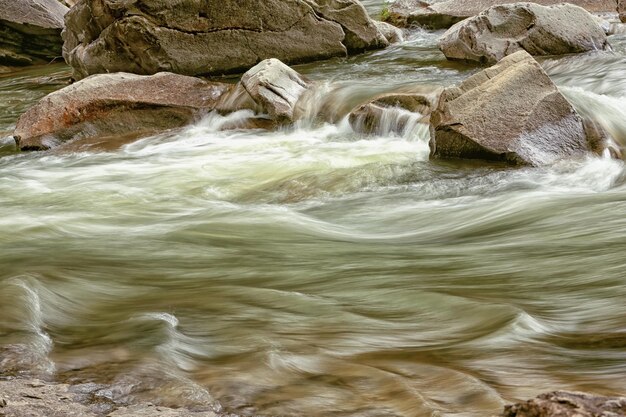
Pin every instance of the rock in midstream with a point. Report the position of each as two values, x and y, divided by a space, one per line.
510 112
539 30
201 38
275 87
390 32
116 104
391 112
443 14
30 31
105 111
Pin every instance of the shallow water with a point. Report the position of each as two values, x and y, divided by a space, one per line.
316 271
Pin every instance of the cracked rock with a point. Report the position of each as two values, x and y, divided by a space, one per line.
276 88
539 30
30 31
511 112
194 37
443 14
112 109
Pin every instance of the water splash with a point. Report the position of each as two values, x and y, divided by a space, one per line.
23 321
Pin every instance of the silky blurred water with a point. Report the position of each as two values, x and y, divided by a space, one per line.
316 271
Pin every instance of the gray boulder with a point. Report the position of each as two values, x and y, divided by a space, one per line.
539 30
30 31
510 112
568 404
116 106
390 32
361 32
194 37
276 88
444 14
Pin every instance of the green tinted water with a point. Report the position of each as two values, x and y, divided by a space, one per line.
315 271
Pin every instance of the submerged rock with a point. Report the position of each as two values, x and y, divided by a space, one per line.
444 14
116 104
394 112
539 30
568 404
510 112
210 37
35 398
30 31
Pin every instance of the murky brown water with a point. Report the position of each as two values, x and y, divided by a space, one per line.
315 271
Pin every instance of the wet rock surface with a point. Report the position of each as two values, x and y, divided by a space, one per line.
108 104
394 112
106 111
197 38
30 31
621 10
539 30
568 404
390 32
510 112
444 14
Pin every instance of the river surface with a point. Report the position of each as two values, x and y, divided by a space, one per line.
315 271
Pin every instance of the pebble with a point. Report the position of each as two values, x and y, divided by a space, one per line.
36 384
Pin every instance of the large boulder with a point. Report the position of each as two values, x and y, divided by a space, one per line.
510 112
198 37
30 31
116 104
361 32
443 14
539 30
568 404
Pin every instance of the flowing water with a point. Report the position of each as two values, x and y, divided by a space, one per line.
316 271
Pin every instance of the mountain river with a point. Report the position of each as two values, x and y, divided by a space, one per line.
314 271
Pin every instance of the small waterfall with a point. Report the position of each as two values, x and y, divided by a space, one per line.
393 121
331 102
609 112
